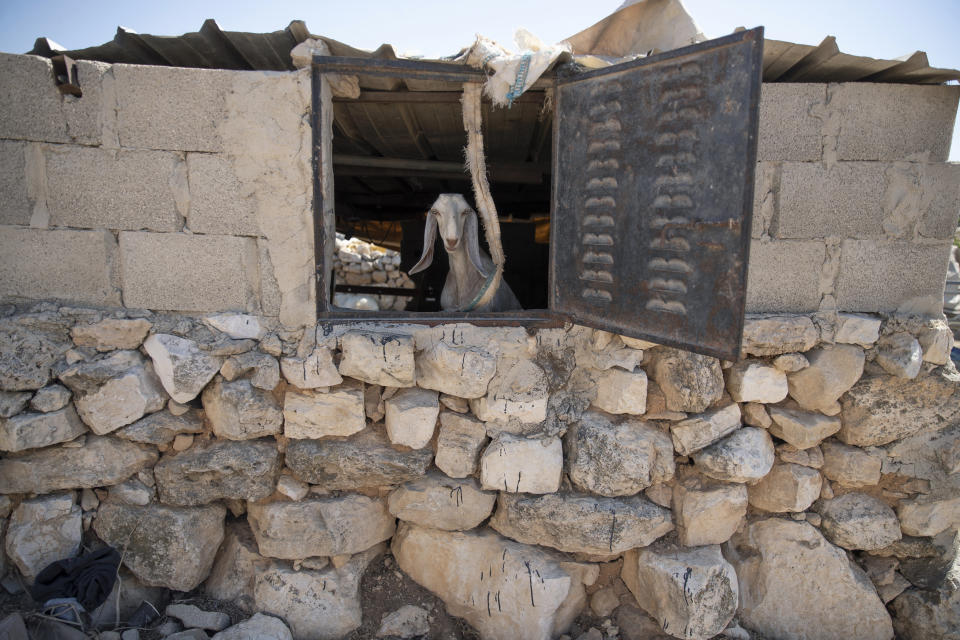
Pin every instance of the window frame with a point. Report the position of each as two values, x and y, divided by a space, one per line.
324 232
729 120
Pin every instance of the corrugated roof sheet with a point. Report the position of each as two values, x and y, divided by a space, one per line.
213 48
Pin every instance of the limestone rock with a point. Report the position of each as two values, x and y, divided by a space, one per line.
707 512
114 391
853 328
695 433
320 526
750 381
773 335
533 594
858 521
411 417
787 488
101 461
238 326
111 333
133 492
363 460
850 466
29 345
617 459
442 503
181 366
314 371
195 617
378 358
43 530
224 469
13 402
406 622
921 614
755 415
929 515
832 371
657 406
454 403
35 430
292 488
802 429
172 547
691 593
237 564
743 456
162 427
51 398
238 411
689 381
322 605
258 627
791 362
812 457
881 409
517 393
315 414
266 371
517 464
461 371
900 355
620 391
581 523
459 443
796 585
936 340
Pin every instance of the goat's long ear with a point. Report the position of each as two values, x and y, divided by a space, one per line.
429 239
472 239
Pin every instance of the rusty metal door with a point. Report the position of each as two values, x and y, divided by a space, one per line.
653 194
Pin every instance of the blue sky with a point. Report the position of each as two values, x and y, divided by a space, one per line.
876 28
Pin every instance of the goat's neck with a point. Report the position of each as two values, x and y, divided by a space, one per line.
466 279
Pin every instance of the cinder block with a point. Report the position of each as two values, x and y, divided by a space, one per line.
15 207
102 189
31 107
784 275
788 129
170 107
894 121
218 202
77 266
940 200
885 275
844 200
184 272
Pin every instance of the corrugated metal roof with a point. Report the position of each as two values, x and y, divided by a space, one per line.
213 48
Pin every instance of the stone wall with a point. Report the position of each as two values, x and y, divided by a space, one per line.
809 490
160 188
531 483
190 190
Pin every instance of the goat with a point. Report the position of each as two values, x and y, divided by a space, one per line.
471 269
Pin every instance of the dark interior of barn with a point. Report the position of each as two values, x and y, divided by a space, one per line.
401 143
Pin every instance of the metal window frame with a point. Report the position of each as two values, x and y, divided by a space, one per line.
419 70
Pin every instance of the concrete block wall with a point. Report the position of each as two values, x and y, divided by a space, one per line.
855 204
164 188
203 179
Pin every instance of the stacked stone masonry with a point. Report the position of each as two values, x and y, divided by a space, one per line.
808 490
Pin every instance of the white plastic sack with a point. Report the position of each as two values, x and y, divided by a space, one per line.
513 73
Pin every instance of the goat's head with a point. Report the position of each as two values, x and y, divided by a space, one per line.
457 223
